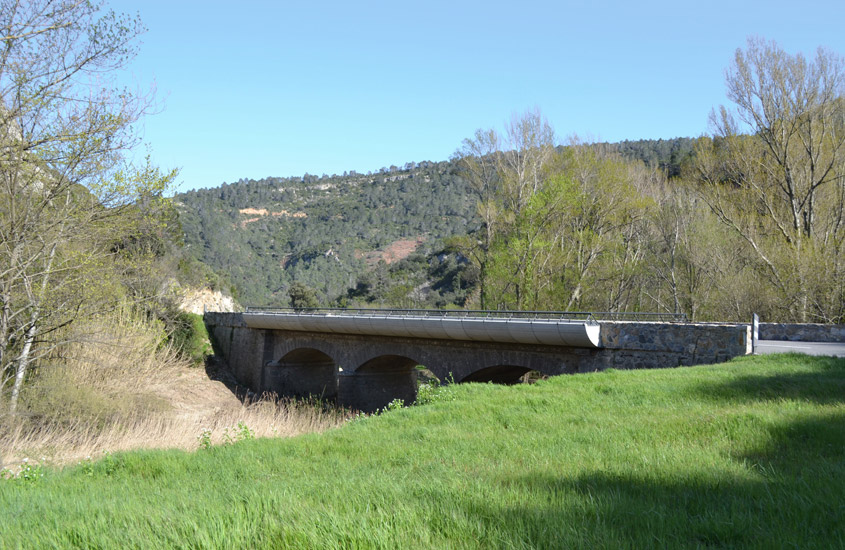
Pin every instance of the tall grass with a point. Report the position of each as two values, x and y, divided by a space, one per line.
749 454
120 386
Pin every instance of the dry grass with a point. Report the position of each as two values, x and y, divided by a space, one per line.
118 389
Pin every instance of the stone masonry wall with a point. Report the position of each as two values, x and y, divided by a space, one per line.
242 346
802 332
650 345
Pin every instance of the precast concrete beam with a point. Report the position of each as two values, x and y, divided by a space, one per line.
517 331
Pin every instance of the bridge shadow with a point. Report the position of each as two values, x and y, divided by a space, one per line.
506 375
824 384
217 370
790 496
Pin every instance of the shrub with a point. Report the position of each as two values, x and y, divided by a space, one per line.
190 336
434 392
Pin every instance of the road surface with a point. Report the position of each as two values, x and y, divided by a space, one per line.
837 349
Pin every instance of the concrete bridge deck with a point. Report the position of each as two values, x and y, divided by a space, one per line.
366 358
548 328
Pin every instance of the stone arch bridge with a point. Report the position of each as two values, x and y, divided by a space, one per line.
366 358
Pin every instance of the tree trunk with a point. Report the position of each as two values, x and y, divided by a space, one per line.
22 366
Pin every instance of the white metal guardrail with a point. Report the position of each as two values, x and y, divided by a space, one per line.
584 316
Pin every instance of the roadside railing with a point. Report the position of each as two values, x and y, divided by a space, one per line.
589 317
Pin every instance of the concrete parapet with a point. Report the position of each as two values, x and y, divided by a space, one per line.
802 332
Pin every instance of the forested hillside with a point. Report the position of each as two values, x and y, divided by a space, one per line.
326 231
356 239
750 219
671 156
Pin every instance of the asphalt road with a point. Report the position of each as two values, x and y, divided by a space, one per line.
837 349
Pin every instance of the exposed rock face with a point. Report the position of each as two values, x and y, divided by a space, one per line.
201 300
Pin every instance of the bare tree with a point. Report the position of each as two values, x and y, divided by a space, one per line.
63 128
528 150
794 109
507 172
480 158
774 170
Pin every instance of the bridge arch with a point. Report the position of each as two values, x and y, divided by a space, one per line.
387 363
500 374
301 372
378 381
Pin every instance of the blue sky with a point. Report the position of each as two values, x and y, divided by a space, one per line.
260 88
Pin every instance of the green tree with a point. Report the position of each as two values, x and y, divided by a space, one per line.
302 296
479 159
596 228
506 174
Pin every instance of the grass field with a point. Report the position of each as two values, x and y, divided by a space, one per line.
747 454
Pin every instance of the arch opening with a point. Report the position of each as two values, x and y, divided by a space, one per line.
303 372
504 374
387 363
377 382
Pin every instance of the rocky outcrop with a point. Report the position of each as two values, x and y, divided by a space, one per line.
201 300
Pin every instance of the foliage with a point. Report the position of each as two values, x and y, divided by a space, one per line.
230 436
27 472
191 337
302 296
394 405
435 392
204 439
76 223
234 434
744 454
773 174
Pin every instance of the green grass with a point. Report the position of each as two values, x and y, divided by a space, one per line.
748 454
